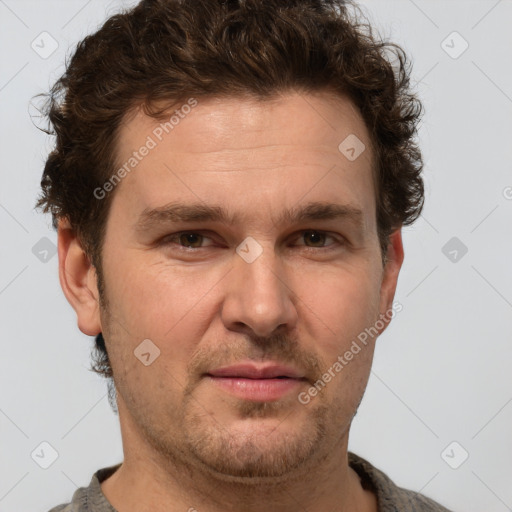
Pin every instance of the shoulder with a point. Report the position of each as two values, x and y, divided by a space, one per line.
390 497
78 503
91 498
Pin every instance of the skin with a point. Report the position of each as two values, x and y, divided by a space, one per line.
187 443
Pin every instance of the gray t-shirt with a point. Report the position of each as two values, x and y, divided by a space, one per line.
390 498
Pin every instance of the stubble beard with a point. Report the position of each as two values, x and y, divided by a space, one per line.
197 444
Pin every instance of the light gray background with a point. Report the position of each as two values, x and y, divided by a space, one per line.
441 370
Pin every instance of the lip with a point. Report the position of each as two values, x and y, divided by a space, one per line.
261 383
252 371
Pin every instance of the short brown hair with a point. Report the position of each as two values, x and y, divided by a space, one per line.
169 50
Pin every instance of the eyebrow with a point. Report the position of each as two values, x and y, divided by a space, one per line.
199 212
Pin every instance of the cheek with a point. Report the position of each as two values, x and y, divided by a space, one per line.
171 305
341 307
340 304
158 296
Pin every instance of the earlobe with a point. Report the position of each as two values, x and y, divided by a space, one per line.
395 257
78 280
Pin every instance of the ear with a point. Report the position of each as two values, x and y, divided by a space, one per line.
394 260
78 280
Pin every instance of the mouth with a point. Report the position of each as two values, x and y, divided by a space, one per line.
265 383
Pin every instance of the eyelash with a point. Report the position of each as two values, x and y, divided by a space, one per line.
169 240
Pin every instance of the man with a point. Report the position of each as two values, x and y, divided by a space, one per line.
229 183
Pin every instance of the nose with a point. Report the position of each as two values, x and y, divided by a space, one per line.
259 296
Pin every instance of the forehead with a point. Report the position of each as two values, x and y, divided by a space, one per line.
211 124
247 154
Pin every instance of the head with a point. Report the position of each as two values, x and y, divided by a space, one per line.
230 119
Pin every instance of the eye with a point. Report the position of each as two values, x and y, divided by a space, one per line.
317 238
192 240
186 239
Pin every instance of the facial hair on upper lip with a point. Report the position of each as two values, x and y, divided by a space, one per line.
279 348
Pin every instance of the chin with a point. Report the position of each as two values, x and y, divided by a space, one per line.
256 447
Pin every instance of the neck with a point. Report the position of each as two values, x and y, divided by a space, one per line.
148 480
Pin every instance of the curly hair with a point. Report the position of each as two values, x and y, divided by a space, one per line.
163 51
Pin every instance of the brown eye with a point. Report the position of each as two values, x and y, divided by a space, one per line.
192 240
315 237
187 241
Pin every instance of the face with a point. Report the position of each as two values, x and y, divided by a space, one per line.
290 274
